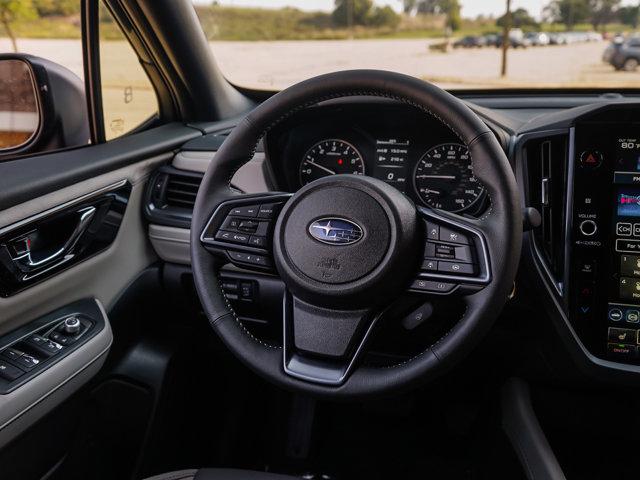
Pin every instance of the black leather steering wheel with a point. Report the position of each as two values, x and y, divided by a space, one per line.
346 246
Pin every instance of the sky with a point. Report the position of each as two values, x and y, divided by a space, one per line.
470 8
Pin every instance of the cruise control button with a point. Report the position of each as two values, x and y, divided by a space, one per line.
431 286
430 265
448 235
247 211
9 372
456 268
433 231
622 335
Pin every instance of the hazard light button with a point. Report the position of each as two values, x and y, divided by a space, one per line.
591 159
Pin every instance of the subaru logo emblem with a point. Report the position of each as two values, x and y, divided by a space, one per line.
335 231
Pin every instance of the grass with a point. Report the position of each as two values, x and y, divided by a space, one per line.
261 24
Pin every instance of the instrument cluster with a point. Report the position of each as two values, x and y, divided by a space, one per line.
396 144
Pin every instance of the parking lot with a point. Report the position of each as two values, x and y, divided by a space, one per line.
274 65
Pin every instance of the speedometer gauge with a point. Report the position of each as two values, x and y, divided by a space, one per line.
444 178
330 157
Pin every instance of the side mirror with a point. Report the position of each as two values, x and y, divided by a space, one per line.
42 107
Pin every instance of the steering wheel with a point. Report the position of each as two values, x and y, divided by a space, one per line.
347 246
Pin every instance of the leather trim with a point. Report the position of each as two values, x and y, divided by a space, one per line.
502 226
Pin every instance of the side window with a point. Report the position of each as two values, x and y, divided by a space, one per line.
128 97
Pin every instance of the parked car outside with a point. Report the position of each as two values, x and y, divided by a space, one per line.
537 39
623 55
470 41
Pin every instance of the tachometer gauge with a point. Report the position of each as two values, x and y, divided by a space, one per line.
330 157
444 178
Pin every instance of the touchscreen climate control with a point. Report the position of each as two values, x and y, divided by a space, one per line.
604 278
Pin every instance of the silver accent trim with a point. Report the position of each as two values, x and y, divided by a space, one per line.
62 206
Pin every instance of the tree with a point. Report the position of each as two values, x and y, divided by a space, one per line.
358 10
421 6
602 11
12 11
451 8
51 8
362 12
569 12
629 16
384 17
519 18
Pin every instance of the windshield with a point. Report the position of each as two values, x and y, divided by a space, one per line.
457 44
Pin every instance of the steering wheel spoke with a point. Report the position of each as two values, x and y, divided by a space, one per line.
455 258
322 345
241 230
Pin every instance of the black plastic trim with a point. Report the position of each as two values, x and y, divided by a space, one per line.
31 177
87 308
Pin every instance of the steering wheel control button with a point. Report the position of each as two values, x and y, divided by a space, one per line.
456 268
632 316
250 259
430 265
259 242
250 211
9 372
433 231
418 316
232 237
615 314
448 235
433 287
588 228
267 210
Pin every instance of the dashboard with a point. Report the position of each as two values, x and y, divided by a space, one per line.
397 144
576 159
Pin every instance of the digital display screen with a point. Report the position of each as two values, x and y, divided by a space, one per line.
392 161
628 203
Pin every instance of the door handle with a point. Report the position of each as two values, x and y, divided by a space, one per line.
28 264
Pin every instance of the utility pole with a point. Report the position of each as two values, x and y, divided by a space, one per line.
350 18
506 40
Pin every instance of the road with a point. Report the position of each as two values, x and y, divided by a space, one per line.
275 65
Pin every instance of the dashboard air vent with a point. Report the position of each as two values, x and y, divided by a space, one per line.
181 190
546 161
171 196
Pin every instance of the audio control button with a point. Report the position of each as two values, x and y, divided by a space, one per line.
588 228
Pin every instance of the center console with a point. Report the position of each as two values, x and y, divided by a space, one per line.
603 247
